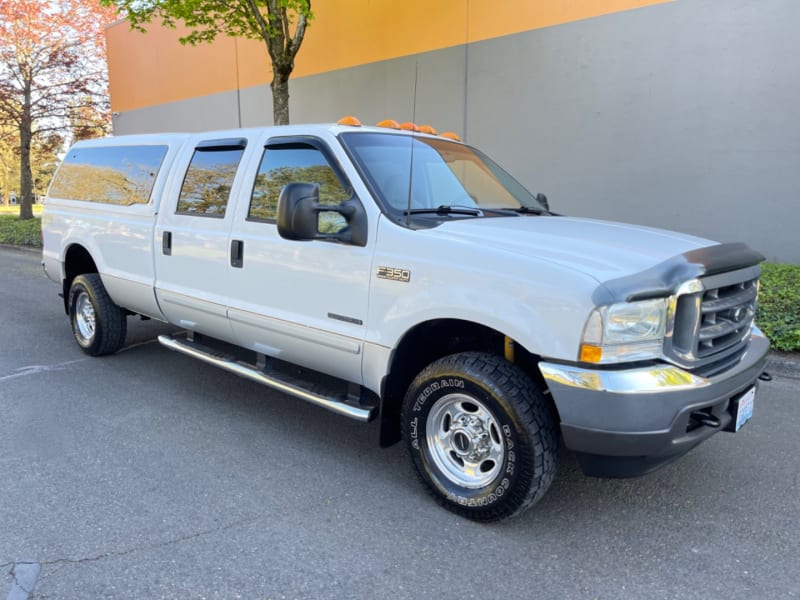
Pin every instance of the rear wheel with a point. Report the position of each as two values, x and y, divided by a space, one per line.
99 325
481 435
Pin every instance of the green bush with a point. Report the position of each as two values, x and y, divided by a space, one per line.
778 313
20 233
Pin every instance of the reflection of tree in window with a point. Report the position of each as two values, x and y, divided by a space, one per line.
280 166
121 175
207 184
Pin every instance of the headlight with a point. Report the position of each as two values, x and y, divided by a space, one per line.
624 332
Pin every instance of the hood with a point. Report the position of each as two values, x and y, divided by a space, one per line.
602 249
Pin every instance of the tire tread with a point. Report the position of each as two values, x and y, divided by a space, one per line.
532 410
111 320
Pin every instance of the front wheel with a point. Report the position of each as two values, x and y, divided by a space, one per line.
481 435
99 325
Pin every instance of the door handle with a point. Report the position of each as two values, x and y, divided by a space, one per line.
237 253
166 243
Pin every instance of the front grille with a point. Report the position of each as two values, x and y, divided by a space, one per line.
727 317
713 325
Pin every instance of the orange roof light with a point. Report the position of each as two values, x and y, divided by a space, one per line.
450 136
427 129
390 123
349 120
409 126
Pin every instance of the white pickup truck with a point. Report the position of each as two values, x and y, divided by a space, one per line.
392 273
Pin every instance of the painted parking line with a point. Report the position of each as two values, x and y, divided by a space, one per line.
38 369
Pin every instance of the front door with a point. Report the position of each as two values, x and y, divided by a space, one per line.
301 301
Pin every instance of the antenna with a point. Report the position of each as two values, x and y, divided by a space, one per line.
411 163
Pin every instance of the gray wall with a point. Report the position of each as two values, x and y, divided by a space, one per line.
679 115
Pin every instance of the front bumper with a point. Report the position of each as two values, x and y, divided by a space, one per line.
624 423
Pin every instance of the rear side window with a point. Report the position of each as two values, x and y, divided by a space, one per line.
207 184
122 175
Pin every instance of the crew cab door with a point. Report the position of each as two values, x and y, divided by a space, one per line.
301 301
192 233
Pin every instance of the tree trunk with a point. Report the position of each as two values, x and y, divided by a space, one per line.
25 174
280 97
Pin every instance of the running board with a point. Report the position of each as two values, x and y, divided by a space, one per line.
333 403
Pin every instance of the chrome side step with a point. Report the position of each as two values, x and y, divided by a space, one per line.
329 402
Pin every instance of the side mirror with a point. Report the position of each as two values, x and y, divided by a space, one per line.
299 210
542 199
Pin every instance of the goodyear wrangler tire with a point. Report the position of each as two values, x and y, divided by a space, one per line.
99 325
481 436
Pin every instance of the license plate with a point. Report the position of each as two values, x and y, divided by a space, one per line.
744 409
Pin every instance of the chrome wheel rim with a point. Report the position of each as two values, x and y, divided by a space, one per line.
85 317
465 441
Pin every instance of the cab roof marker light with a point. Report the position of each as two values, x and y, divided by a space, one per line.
450 136
389 123
349 120
409 126
427 129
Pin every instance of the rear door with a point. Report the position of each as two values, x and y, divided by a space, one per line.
192 249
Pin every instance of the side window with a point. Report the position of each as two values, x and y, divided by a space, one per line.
122 175
293 163
207 184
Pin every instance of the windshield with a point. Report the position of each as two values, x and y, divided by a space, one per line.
444 175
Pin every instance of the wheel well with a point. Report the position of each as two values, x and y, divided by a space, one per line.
431 341
77 261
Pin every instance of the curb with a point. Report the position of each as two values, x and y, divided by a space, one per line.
28 249
783 365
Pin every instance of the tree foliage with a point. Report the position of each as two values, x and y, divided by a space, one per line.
52 68
280 24
268 186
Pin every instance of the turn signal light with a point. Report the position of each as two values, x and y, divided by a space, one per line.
591 354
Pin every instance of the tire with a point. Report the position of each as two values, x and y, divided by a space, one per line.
481 436
99 325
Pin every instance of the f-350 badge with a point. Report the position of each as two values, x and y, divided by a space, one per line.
394 274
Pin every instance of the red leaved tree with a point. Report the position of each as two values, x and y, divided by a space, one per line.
52 69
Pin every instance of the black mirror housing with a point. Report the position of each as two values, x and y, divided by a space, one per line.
298 210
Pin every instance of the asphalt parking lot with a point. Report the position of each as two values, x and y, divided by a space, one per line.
150 475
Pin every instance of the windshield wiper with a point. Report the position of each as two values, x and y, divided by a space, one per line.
527 210
524 210
454 209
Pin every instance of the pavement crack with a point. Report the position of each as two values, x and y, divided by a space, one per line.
154 546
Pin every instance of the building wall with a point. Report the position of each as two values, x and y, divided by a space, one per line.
675 114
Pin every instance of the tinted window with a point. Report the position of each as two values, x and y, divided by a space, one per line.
292 164
207 184
113 174
443 173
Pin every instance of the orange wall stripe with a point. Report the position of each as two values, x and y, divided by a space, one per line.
153 68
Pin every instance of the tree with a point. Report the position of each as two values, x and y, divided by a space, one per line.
280 24
51 52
